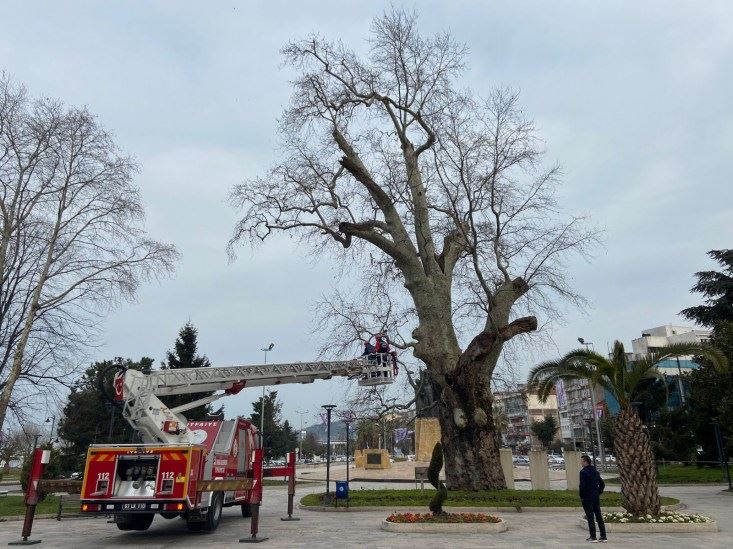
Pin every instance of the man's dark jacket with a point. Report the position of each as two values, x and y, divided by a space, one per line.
591 483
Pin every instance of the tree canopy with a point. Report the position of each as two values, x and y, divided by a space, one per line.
717 288
440 199
545 430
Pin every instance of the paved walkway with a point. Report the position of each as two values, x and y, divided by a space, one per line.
335 530
401 470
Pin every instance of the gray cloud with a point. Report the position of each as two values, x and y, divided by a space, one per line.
632 98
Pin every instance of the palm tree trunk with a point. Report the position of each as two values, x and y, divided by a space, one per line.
638 476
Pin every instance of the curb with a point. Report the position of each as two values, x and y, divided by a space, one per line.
655 528
408 509
446 528
678 484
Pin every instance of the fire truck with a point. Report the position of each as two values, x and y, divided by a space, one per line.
192 469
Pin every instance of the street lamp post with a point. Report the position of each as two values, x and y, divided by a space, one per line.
52 421
300 433
594 415
722 456
262 408
328 408
679 382
589 422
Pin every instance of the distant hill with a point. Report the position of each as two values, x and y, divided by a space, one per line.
338 431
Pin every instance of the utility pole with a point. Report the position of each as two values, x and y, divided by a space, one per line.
594 415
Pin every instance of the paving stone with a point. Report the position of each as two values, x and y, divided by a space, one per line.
335 530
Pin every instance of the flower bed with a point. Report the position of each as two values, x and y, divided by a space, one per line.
465 523
452 518
665 517
666 522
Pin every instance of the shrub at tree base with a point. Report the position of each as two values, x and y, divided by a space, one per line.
665 517
412 518
436 464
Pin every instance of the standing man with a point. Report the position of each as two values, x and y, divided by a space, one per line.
591 488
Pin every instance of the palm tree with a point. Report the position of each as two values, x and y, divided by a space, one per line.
623 379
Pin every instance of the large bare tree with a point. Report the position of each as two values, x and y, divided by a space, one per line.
72 242
384 155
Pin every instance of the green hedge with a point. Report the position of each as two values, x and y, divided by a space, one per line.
461 498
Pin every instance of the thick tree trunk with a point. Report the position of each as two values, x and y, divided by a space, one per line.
468 433
638 476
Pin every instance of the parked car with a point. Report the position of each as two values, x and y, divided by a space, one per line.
520 460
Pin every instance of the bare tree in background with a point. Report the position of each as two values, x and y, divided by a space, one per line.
71 241
446 192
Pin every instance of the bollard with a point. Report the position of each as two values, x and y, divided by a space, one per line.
40 459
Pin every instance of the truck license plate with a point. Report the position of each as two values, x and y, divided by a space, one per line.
133 506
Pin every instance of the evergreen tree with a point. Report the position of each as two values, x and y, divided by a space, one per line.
711 391
279 437
184 355
88 414
717 287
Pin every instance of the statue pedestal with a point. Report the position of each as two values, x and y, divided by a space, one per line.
376 459
427 435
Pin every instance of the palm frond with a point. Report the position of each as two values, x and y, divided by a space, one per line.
716 358
578 364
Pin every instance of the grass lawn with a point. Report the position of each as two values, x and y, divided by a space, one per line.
680 474
278 482
459 498
13 506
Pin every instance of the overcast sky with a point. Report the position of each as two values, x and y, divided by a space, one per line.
633 99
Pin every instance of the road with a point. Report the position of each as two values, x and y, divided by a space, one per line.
361 529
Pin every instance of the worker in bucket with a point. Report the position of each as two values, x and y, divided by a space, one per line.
383 348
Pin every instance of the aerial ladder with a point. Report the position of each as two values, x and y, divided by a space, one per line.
192 469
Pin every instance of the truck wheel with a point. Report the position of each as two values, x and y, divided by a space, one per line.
213 517
195 526
142 522
246 510
136 522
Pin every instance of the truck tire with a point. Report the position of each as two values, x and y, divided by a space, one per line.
213 517
136 522
194 526
246 510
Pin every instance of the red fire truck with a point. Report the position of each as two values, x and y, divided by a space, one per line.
194 469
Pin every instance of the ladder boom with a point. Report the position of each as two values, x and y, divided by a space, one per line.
153 419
